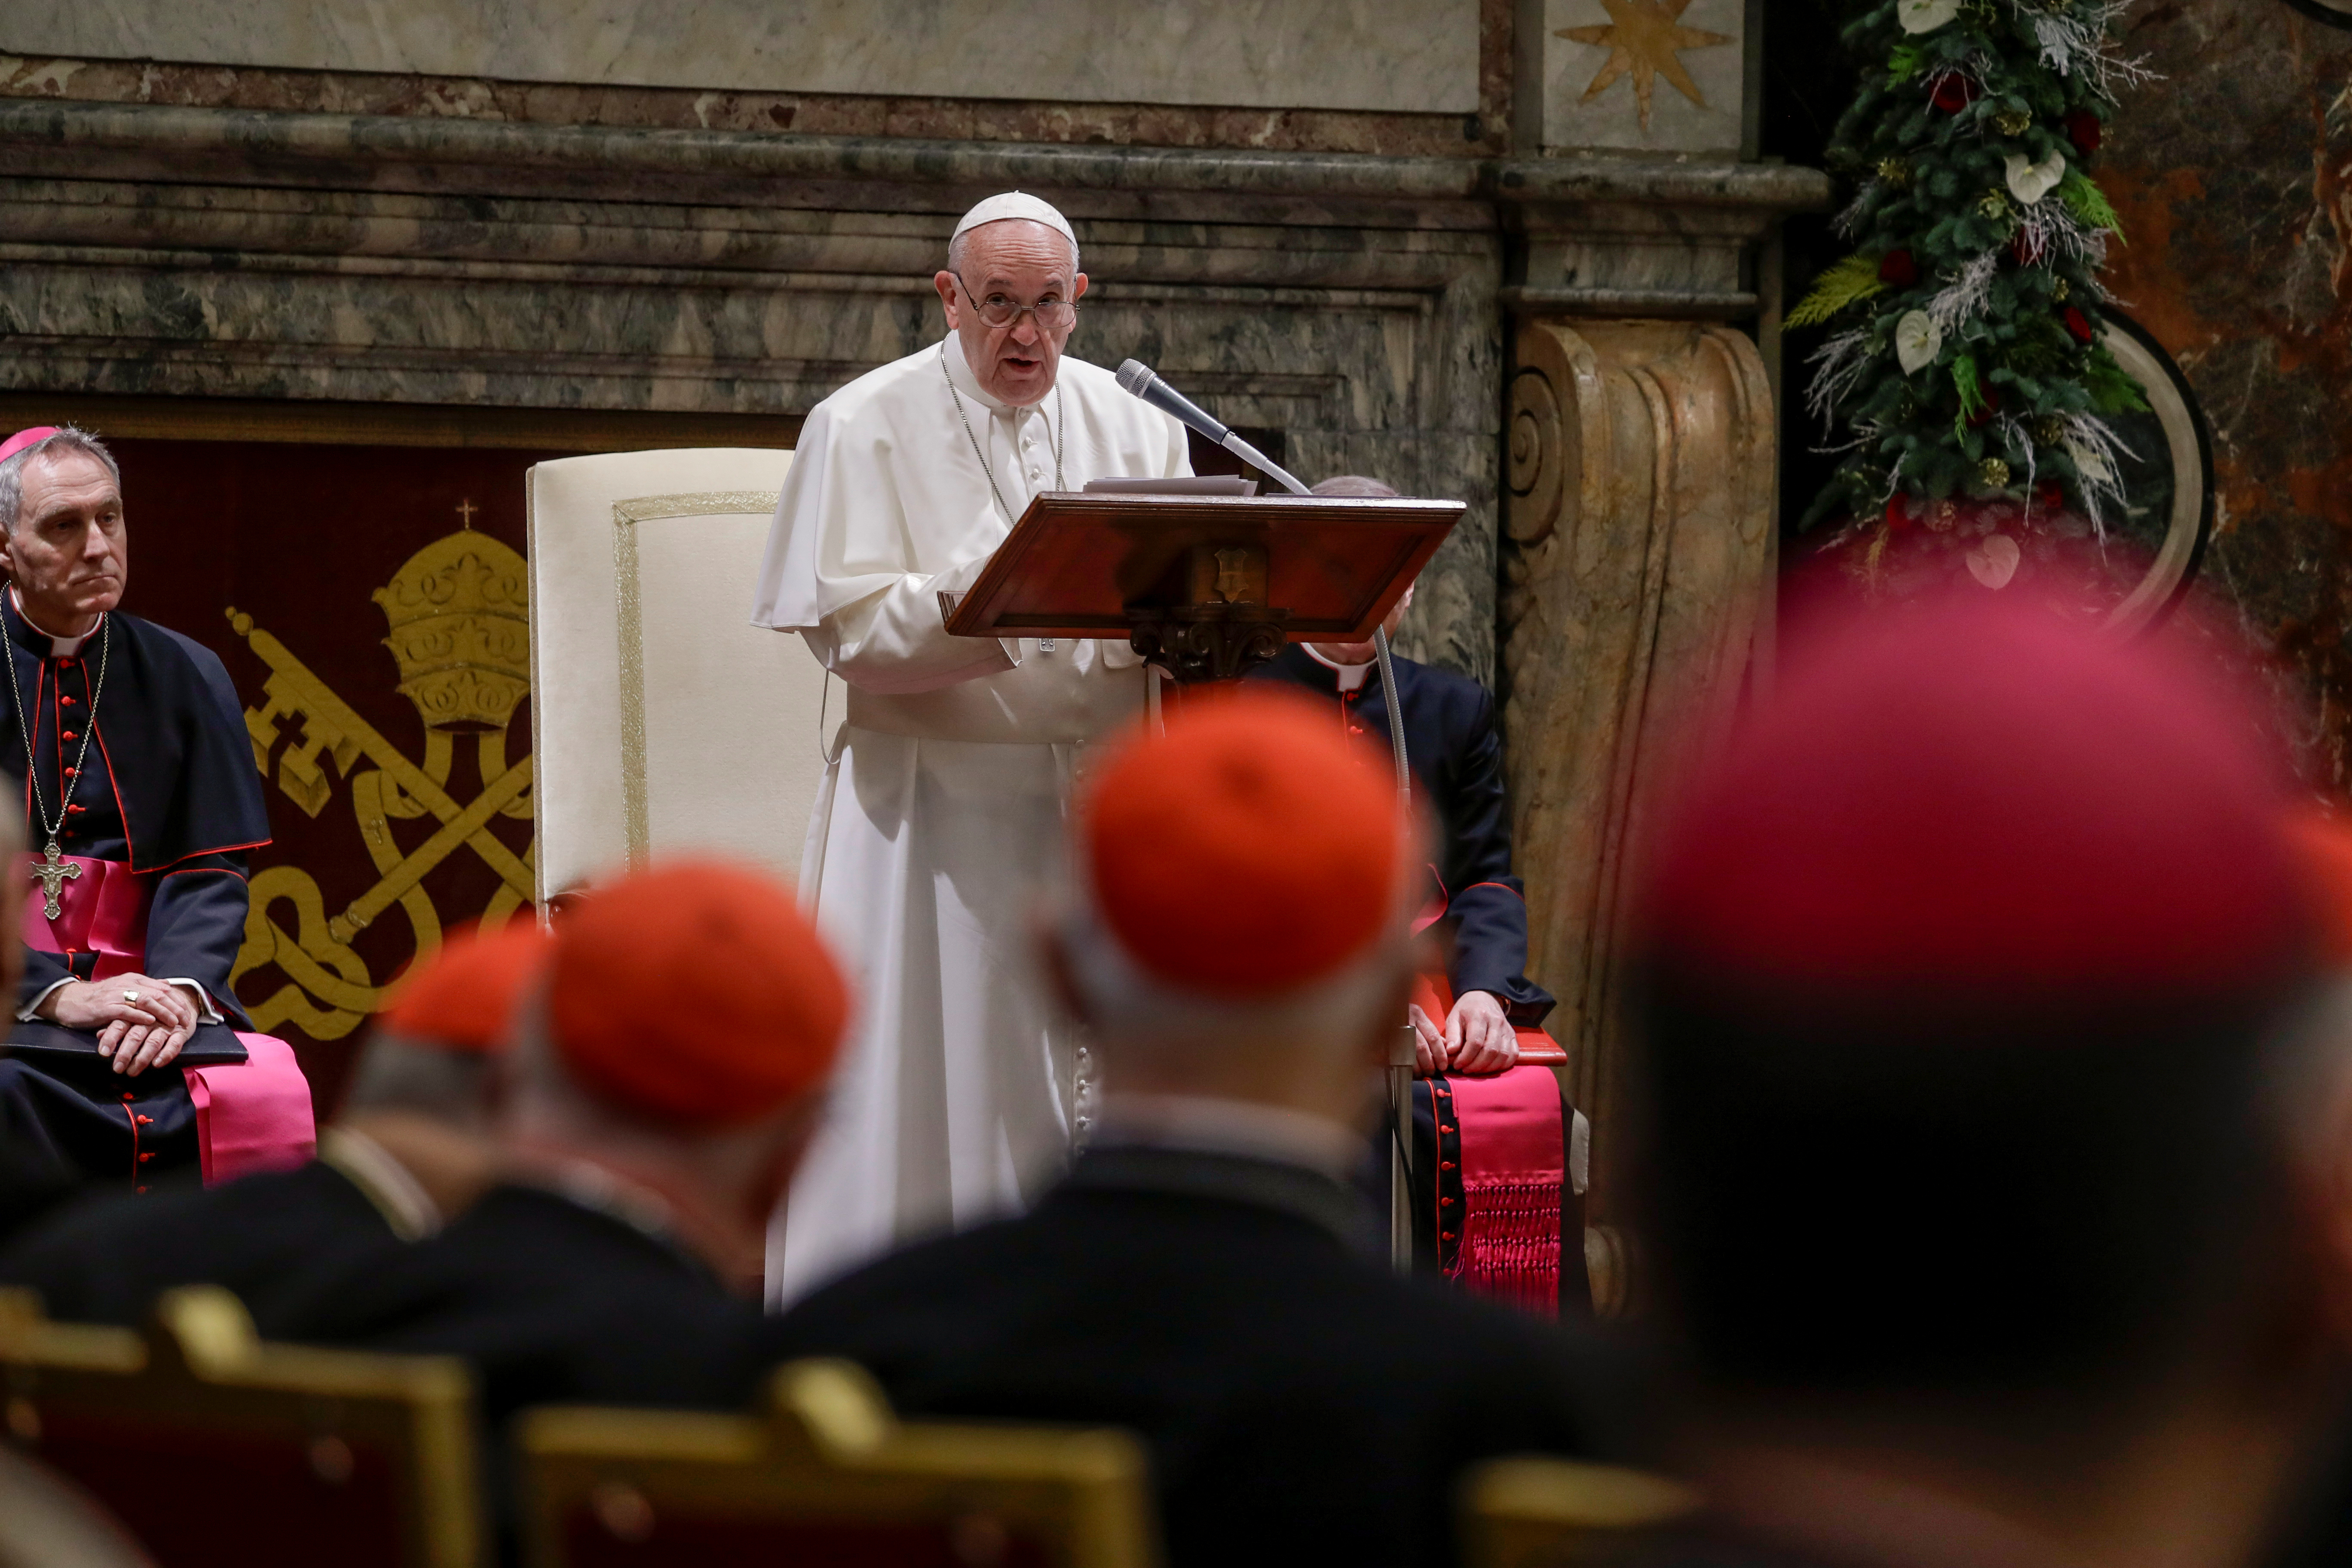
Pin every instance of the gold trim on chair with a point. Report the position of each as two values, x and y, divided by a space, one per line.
1529 1512
829 1456
630 618
199 1374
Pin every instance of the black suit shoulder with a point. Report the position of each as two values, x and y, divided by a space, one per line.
106 1260
1296 1399
552 1301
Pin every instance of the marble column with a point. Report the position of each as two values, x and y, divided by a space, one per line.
1638 559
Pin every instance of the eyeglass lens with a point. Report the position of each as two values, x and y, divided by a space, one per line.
1003 310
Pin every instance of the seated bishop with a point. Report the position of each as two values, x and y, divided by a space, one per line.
1469 1017
128 1055
1498 1180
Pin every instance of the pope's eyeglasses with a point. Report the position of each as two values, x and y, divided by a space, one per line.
1052 313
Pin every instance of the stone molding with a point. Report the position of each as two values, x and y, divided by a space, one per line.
1638 557
1355 300
65 140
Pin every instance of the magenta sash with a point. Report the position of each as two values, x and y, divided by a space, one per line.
103 910
1513 1166
251 1116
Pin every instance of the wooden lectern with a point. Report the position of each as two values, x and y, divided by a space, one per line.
1203 587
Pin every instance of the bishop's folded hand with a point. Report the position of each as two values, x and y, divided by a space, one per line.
1428 1041
1479 1037
141 1022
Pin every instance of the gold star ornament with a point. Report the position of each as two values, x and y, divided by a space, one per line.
1644 38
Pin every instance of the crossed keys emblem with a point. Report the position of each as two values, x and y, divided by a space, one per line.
458 610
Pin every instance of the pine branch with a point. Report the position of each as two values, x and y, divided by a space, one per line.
2089 203
1841 284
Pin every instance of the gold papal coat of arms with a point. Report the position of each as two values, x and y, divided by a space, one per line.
458 613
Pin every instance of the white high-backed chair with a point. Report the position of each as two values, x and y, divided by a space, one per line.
662 720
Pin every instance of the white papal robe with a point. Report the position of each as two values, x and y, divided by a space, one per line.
942 816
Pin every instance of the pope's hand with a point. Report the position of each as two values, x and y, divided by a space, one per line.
134 1035
1428 1041
1478 1035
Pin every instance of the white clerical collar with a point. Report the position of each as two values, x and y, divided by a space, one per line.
60 647
959 372
1351 675
1211 1126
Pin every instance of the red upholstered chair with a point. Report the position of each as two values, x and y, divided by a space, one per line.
826 1477
1498 1174
211 1448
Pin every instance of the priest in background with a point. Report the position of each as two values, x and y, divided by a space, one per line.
960 1093
1457 756
140 800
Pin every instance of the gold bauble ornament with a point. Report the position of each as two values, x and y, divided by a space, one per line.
1896 172
2050 429
1994 474
2058 290
1995 204
2012 121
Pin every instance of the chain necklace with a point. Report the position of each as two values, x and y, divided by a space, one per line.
52 871
1061 436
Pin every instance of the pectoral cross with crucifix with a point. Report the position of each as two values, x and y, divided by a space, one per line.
50 873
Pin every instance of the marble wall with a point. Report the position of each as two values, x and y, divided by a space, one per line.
1412 56
2234 175
1356 303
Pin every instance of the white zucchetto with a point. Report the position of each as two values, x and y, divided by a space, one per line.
1016 204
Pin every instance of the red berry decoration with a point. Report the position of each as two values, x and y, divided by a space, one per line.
2028 249
1897 267
1898 513
2049 496
2078 324
2084 129
1955 93
1990 406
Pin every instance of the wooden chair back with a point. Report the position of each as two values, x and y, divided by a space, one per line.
212 1448
826 1476
1528 1513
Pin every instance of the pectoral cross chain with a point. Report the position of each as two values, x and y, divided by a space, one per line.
50 872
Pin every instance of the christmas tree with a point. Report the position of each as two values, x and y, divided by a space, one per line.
1964 375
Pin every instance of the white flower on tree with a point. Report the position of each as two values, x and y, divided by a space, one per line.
2029 183
1926 15
1918 341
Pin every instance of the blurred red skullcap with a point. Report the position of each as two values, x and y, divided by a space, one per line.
1251 849
2324 840
463 998
1974 798
695 992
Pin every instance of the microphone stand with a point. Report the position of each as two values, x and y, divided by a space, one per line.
1138 378
1401 1052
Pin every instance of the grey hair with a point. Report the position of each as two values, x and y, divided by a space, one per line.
959 246
1353 486
449 1086
66 439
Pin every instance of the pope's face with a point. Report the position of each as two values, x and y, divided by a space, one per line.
1010 263
69 553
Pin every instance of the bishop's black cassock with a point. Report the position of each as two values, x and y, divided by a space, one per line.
158 817
1456 757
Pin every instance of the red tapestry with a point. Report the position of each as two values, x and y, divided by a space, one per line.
371 605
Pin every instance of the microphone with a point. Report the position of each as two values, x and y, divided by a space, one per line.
1137 377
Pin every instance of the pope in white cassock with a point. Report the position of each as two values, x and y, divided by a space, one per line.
942 814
